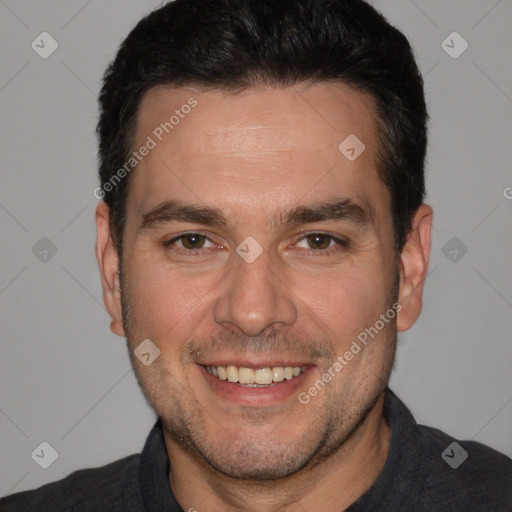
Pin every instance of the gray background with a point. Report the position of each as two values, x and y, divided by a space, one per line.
66 379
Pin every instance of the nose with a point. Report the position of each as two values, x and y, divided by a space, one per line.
254 298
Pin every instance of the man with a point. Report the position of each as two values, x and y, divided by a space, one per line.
261 240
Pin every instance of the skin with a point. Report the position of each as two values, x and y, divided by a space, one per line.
254 155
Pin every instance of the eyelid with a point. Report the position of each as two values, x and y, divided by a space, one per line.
177 238
341 241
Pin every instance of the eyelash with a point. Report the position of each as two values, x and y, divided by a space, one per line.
341 244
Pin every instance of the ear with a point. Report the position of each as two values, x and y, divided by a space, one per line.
108 262
413 267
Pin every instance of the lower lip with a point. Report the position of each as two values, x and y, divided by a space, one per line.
245 395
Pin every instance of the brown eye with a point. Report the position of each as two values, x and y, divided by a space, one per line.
193 241
319 241
321 244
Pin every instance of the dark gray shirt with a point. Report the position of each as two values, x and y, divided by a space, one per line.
420 474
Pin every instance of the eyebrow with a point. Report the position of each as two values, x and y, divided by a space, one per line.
333 210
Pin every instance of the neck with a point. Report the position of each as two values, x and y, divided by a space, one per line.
333 484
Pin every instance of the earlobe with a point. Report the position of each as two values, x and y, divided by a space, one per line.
414 266
116 328
108 263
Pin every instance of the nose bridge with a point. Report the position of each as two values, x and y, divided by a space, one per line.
254 298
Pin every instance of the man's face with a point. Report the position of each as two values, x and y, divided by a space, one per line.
281 275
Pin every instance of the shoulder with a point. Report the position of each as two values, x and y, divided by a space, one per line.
465 474
109 487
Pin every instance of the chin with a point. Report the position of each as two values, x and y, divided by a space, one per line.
257 465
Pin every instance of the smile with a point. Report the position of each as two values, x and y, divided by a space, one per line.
255 377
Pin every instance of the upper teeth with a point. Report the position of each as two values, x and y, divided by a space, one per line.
244 375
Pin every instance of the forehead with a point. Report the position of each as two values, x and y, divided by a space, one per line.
260 149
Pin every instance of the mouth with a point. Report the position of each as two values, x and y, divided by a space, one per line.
255 377
258 386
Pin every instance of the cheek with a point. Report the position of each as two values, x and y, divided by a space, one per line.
166 305
345 303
